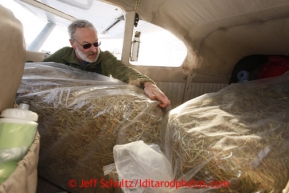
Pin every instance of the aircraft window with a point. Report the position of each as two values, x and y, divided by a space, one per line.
32 25
57 39
158 47
110 33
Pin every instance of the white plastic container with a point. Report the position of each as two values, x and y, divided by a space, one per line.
18 128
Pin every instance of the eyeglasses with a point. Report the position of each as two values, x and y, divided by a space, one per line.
87 46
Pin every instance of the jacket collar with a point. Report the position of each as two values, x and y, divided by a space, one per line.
71 58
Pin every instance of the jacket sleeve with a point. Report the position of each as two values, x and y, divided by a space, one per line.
114 67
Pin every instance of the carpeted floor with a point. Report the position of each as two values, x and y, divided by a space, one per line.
43 186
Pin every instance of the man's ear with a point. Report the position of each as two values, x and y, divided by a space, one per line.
72 43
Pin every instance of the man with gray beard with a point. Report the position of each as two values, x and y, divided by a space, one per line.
86 55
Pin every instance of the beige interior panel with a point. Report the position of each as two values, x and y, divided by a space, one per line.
227 44
174 91
34 56
198 89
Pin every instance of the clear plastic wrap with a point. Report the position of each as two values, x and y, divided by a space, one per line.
82 116
237 137
139 164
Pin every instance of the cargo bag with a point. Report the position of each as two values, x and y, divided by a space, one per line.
275 66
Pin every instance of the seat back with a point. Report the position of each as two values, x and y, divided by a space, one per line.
12 57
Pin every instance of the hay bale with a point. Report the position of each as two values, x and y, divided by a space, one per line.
81 120
238 135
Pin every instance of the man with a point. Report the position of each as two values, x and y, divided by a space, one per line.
86 55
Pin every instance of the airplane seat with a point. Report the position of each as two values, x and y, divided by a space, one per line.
12 60
12 57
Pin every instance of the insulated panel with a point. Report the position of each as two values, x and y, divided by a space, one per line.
198 89
174 91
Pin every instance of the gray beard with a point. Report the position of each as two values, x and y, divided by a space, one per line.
83 56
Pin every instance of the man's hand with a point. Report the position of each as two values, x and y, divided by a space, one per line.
154 93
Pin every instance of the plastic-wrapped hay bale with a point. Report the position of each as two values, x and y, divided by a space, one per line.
48 75
60 71
238 135
81 120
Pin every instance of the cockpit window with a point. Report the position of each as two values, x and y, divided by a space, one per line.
32 25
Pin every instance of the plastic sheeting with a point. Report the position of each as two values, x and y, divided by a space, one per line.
82 115
235 140
140 167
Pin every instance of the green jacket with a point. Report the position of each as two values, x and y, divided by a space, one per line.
106 64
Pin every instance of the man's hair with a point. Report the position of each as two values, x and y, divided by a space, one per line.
79 24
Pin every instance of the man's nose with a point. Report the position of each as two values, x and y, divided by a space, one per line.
93 49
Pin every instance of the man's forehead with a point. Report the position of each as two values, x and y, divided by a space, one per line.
85 33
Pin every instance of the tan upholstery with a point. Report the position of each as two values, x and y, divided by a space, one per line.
34 56
12 57
12 60
24 178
